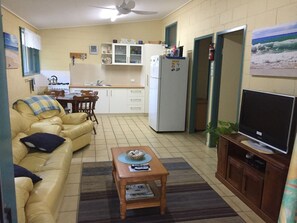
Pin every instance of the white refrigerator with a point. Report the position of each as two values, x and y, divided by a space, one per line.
168 93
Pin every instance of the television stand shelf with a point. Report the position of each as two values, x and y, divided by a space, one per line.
258 179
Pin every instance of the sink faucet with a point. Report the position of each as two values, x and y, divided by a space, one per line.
99 82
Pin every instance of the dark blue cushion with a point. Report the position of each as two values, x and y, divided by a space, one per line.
44 142
23 172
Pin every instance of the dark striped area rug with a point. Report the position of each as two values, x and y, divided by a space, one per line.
189 198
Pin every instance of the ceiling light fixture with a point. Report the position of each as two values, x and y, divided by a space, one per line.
113 18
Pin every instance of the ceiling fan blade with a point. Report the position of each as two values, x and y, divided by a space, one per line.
100 7
123 10
130 4
144 12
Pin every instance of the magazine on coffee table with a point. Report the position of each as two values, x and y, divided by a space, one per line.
138 191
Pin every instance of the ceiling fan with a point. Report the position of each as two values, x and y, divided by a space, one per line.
126 8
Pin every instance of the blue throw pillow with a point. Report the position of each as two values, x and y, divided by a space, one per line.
44 142
23 172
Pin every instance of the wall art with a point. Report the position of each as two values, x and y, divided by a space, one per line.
11 51
274 51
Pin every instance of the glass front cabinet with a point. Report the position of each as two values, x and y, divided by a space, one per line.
127 54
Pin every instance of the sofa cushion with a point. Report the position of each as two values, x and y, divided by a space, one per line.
20 171
23 187
44 142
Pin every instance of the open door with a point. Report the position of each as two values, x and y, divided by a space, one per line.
227 78
199 88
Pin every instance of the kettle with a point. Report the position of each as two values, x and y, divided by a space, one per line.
53 79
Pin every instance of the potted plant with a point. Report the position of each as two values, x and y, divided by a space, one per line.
223 127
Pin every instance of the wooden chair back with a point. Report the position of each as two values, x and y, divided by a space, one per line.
89 92
55 93
87 104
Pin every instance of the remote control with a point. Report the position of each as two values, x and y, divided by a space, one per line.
141 168
140 165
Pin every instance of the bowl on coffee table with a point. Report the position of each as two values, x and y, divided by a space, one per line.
135 154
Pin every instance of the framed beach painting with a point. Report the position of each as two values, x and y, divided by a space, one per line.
274 51
11 51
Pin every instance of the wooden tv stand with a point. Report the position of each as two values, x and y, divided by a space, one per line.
258 182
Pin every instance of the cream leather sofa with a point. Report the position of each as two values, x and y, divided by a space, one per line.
74 126
39 203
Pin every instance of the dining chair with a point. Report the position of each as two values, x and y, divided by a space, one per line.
89 92
55 94
86 104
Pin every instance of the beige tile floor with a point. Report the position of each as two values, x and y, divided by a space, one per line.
128 130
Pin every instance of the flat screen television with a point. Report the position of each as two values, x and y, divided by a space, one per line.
269 120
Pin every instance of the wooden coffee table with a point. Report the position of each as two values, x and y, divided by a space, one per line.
123 177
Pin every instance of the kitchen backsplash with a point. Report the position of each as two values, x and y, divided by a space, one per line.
88 74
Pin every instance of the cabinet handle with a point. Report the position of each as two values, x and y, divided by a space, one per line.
110 93
135 91
106 92
135 108
135 100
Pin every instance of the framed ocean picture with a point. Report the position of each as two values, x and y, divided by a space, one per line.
274 51
11 51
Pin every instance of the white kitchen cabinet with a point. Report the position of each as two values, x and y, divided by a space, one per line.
118 101
135 100
102 105
127 54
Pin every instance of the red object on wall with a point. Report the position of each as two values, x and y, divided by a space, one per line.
211 52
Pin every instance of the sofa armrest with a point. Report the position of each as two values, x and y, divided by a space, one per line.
44 128
23 187
74 118
39 212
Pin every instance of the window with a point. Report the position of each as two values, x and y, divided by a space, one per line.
170 35
30 47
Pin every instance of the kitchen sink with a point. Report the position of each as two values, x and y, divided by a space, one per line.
104 85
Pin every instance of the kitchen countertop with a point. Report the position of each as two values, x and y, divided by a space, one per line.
106 86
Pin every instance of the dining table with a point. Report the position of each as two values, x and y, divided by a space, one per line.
68 99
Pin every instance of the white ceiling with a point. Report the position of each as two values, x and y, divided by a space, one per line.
45 14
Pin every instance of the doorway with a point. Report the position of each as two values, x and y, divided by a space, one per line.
227 78
199 85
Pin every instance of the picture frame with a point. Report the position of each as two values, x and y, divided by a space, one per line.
11 47
274 51
93 49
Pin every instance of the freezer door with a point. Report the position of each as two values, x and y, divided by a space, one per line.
154 103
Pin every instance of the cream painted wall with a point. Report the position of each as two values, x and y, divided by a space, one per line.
16 83
199 18
58 43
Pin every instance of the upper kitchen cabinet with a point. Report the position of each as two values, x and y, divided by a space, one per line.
127 54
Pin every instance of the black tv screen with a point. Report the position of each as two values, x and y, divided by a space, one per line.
269 119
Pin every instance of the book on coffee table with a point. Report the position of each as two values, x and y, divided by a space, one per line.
138 191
